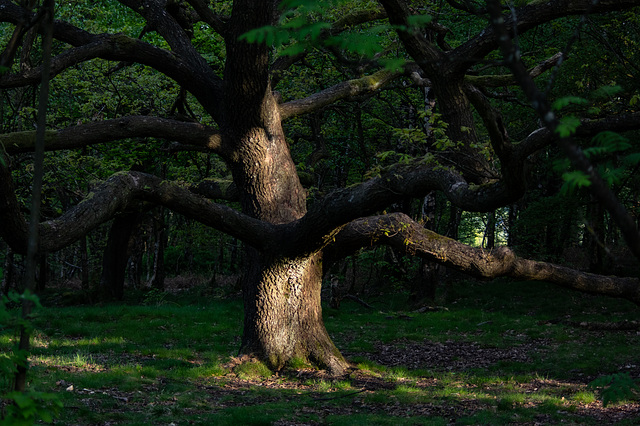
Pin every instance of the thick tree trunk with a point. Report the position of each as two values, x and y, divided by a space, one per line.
283 314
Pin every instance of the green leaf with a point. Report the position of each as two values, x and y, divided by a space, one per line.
573 180
393 64
615 388
418 21
294 49
632 159
607 91
314 30
568 100
567 126
612 141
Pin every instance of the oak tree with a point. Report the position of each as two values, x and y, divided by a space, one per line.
290 243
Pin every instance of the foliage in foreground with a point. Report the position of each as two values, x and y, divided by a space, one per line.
20 408
172 361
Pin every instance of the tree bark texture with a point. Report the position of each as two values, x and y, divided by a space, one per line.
283 314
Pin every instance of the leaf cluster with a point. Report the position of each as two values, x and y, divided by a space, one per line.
615 388
609 150
24 408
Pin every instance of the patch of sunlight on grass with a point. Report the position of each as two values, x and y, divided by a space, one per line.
584 397
209 370
408 394
342 385
79 360
399 373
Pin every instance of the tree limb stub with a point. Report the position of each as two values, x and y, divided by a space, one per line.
403 233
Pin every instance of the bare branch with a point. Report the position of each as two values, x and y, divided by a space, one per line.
344 90
404 234
109 130
509 79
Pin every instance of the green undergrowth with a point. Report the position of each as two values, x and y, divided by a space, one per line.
169 362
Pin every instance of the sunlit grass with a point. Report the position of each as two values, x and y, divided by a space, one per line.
169 363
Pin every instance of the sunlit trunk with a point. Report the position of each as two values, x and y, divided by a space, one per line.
283 314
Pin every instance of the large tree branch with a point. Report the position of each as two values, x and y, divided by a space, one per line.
325 217
109 130
404 234
118 194
344 90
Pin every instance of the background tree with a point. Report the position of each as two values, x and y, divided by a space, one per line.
422 84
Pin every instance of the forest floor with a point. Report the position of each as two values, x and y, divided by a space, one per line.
497 353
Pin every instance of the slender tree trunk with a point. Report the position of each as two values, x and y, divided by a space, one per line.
490 231
114 262
84 263
43 272
157 279
511 232
8 270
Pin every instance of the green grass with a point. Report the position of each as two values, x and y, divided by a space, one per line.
166 362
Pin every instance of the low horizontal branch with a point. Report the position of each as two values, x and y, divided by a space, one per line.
110 130
403 233
119 194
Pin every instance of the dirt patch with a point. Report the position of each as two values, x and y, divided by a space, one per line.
450 355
